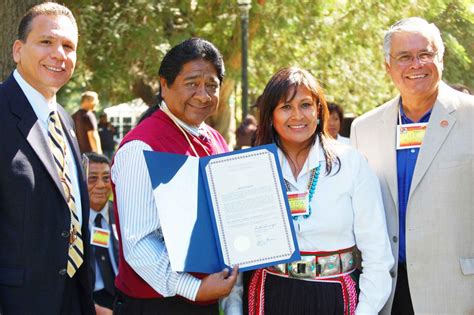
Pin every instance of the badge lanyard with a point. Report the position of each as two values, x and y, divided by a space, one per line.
189 140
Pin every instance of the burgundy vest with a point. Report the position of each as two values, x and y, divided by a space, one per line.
161 134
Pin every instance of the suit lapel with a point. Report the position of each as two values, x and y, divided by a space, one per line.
113 228
388 144
30 127
440 124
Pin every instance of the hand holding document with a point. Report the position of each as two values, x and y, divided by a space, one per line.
223 210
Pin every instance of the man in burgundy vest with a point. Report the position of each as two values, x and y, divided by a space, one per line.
191 74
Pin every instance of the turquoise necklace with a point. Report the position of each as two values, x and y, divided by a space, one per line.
311 187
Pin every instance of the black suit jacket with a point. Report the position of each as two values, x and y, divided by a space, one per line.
107 300
34 216
114 243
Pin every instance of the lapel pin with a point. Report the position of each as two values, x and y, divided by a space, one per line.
444 123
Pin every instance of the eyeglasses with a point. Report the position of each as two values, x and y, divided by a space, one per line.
407 59
94 179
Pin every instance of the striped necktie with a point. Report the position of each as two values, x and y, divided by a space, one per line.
57 144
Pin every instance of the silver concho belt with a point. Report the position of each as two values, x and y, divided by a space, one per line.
317 266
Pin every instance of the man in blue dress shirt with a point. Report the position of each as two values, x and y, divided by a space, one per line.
421 146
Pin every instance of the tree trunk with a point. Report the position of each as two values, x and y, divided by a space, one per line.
144 91
10 14
224 119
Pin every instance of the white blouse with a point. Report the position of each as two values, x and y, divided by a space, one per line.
344 140
347 210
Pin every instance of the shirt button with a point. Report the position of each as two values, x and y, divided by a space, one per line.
62 271
65 234
395 239
393 274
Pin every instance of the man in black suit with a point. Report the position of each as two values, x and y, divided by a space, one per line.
104 238
44 207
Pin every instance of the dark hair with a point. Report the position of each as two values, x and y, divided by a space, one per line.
461 88
97 158
333 107
174 60
46 8
281 87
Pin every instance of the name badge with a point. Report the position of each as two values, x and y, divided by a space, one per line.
299 202
410 135
100 237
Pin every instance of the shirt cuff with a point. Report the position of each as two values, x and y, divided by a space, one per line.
188 286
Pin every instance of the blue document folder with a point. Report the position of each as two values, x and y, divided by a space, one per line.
183 193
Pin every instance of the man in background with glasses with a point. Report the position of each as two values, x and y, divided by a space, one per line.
421 145
104 240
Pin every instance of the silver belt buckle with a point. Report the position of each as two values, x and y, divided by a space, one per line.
304 268
347 261
330 265
280 268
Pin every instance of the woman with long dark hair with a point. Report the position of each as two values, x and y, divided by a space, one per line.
344 209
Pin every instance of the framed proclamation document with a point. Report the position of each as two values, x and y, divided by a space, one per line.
223 210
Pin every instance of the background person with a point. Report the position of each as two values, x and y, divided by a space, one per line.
106 134
426 188
191 75
345 209
335 121
44 208
105 241
86 123
245 134
462 88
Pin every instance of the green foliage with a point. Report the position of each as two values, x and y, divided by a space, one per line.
124 41
456 23
339 41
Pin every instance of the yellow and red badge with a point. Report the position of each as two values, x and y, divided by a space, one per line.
100 237
410 135
299 203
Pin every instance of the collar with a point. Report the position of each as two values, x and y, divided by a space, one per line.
38 102
315 157
104 212
196 131
404 117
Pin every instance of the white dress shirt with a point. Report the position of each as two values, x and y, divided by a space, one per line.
99 283
347 210
344 140
42 108
142 240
